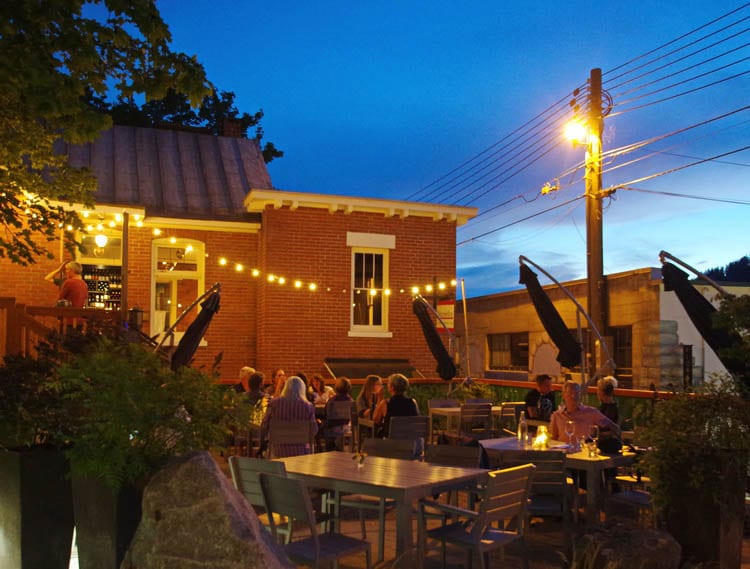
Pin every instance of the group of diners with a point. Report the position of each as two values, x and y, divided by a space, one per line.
292 399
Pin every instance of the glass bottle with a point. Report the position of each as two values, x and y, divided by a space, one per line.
523 429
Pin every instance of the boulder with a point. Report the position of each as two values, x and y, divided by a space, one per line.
621 544
193 518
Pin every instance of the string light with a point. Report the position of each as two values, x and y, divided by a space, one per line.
222 261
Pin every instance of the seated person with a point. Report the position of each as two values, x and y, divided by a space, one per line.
291 405
582 416
370 395
241 386
318 392
540 402
336 428
398 405
605 391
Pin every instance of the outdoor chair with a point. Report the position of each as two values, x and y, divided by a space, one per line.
337 411
473 400
497 522
416 428
552 493
435 430
475 420
510 411
290 497
245 473
388 448
282 433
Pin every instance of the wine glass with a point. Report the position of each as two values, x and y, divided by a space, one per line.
594 436
570 429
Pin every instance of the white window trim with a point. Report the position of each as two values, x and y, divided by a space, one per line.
359 330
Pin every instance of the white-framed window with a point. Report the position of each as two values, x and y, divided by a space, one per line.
369 289
177 276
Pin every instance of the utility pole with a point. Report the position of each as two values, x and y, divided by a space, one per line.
597 291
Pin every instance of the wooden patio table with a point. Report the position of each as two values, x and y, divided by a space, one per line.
404 481
452 414
580 460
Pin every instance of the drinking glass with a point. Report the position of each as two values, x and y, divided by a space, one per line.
570 429
594 436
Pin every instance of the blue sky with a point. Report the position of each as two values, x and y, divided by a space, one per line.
381 99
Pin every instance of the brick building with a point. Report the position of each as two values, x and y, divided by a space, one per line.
304 277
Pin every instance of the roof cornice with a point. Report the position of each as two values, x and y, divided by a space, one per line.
258 200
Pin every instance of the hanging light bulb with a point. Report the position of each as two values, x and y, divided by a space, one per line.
101 240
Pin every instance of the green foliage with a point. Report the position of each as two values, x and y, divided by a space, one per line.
32 412
132 413
734 316
51 55
691 435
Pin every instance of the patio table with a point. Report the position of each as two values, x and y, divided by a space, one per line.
592 466
452 414
404 481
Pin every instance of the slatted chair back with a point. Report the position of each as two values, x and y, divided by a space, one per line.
510 411
339 410
475 420
550 493
504 498
478 400
282 433
338 423
389 448
411 428
454 455
290 497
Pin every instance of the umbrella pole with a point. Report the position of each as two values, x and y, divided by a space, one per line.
466 330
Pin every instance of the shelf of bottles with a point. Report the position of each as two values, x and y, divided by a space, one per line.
105 286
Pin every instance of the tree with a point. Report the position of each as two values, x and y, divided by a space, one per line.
737 271
174 109
734 317
51 55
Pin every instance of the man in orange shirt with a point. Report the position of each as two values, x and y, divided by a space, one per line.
73 289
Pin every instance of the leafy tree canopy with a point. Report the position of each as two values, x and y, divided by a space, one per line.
52 55
174 109
737 271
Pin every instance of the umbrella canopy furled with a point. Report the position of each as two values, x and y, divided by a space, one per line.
446 369
569 349
190 341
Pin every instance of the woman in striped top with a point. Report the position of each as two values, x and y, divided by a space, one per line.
292 405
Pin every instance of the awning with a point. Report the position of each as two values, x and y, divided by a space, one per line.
569 349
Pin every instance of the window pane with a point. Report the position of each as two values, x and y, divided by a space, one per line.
508 351
368 276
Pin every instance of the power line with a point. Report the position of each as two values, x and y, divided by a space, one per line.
688 196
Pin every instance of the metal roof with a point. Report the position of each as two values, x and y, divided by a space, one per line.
174 173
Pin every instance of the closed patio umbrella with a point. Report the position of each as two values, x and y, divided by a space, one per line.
446 369
569 349
190 341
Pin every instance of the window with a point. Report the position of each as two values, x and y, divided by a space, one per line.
508 351
622 348
178 280
369 290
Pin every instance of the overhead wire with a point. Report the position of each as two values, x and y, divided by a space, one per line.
688 196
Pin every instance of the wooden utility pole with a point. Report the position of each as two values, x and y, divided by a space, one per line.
597 290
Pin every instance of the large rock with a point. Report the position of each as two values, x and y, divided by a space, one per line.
193 518
621 544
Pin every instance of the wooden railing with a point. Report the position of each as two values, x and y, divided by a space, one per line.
22 327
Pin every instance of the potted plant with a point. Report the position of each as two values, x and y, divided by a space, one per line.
132 415
36 508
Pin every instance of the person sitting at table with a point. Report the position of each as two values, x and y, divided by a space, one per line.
605 391
255 393
292 405
540 401
397 405
278 379
318 392
241 386
583 416
335 428
371 394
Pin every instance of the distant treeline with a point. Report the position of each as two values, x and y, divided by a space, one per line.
737 271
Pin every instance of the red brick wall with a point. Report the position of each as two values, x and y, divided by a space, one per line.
266 325
301 328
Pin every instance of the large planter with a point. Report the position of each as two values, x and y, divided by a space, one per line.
105 521
36 510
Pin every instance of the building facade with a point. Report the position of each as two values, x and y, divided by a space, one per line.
303 277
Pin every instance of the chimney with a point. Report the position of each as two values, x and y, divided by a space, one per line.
231 127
